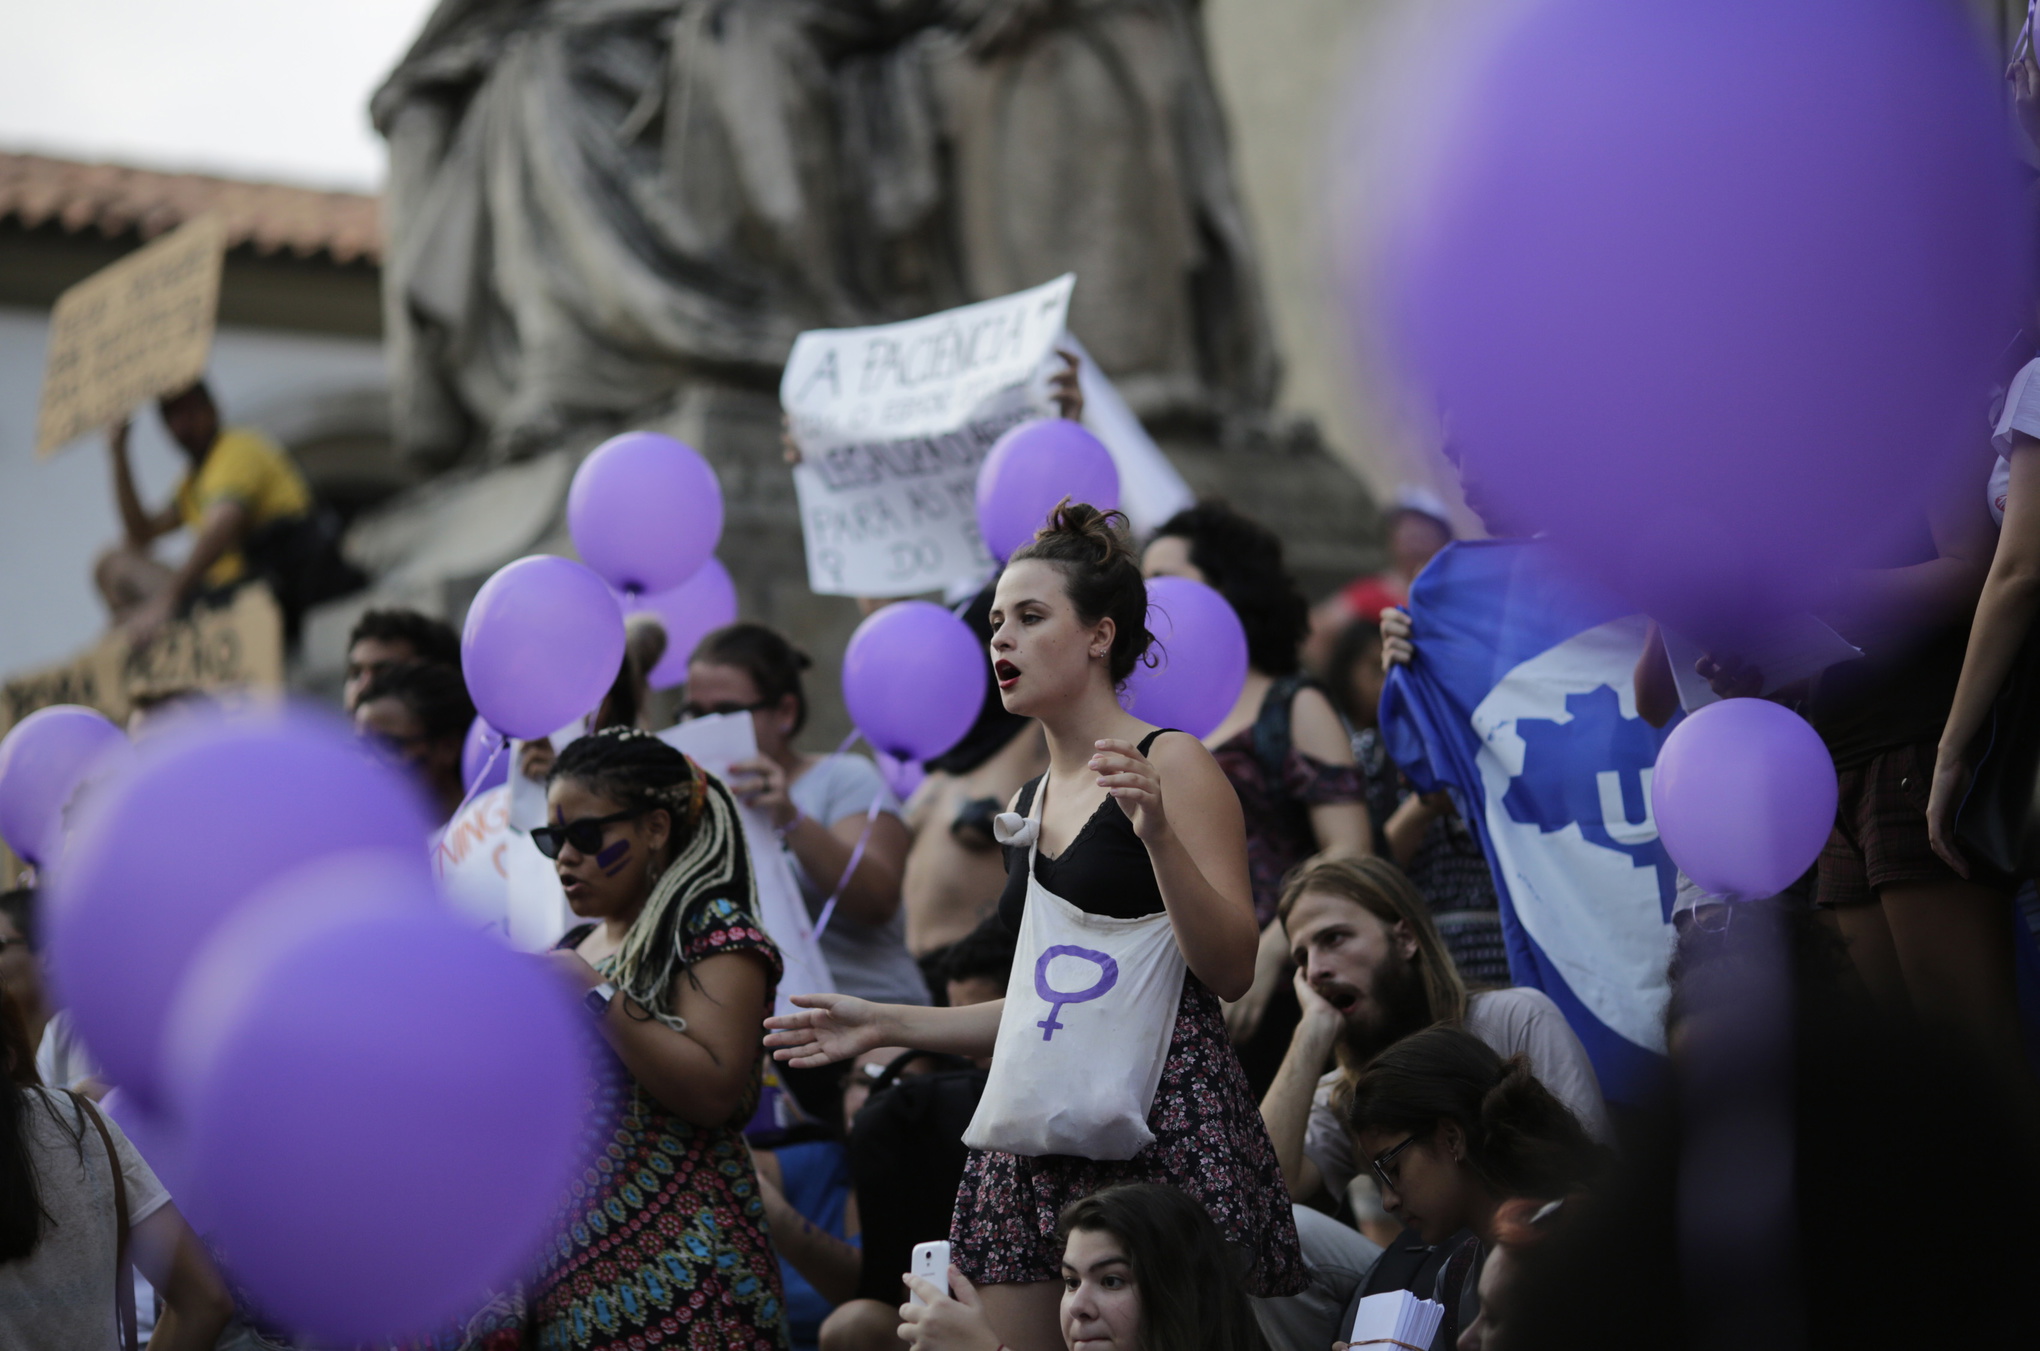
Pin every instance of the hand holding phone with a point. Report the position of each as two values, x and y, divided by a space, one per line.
931 1264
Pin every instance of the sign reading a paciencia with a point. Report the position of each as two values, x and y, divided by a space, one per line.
892 423
132 331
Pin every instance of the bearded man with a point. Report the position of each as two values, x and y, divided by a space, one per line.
1370 970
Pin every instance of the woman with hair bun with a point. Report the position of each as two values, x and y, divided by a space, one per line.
665 1239
1131 845
1453 1132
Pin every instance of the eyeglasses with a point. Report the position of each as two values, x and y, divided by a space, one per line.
1386 1169
690 711
585 834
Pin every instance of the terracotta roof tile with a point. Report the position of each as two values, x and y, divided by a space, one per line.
113 200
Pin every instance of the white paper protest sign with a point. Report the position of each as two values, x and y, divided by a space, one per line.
471 857
893 421
716 743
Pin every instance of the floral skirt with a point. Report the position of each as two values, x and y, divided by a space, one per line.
1209 1141
662 1241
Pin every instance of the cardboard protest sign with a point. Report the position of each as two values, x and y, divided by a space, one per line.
893 422
136 329
235 648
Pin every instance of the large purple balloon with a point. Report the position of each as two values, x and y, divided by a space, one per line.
1744 795
645 511
382 1112
1199 656
484 757
542 645
1690 303
913 677
690 611
1033 467
176 845
43 761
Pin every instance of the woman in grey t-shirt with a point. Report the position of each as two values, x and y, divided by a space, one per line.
821 806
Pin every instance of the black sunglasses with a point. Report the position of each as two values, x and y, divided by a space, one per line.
584 834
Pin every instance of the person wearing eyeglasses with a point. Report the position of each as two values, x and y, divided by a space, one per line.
677 974
822 807
1451 1132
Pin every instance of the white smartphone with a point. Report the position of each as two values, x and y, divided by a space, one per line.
931 1264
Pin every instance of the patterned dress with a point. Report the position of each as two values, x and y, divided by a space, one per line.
1209 1141
661 1242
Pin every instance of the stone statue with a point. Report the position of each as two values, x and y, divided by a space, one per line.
593 203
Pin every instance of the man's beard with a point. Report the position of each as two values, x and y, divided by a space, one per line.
1398 1007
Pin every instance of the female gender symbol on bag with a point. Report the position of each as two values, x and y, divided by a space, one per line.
1070 1082
1108 977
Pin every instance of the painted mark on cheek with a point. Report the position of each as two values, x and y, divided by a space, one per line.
612 859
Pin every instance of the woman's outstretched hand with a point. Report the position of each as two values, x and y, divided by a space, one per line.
829 1027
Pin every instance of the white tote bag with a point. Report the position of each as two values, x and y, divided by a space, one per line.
1090 1009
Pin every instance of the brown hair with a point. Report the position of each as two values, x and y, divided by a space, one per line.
1520 1140
1100 574
1382 890
764 654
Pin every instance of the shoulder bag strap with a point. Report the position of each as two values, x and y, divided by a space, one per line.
123 1274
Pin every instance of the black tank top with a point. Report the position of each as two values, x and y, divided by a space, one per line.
1105 870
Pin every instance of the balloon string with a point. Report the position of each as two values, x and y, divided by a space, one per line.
856 854
481 777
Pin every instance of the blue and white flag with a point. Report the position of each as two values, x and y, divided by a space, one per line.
1520 703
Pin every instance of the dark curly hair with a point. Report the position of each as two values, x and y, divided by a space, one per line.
429 639
434 693
1100 574
1242 560
764 654
1520 1140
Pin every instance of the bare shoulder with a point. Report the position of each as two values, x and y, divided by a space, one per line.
1316 728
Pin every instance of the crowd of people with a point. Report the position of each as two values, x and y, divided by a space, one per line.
1322 1086
1348 1098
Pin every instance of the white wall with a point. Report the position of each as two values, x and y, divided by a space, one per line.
56 515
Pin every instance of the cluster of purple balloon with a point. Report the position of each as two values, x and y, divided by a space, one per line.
308 1044
544 636
1715 326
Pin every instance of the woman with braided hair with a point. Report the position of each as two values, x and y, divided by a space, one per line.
664 1239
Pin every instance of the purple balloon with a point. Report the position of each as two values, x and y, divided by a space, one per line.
1199 656
1033 467
902 776
1684 301
913 677
484 758
690 611
172 848
542 645
381 1111
1744 795
43 761
645 511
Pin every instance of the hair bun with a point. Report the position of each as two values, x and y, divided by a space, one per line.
1104 531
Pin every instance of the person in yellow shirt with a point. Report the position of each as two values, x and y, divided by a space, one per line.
242 489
